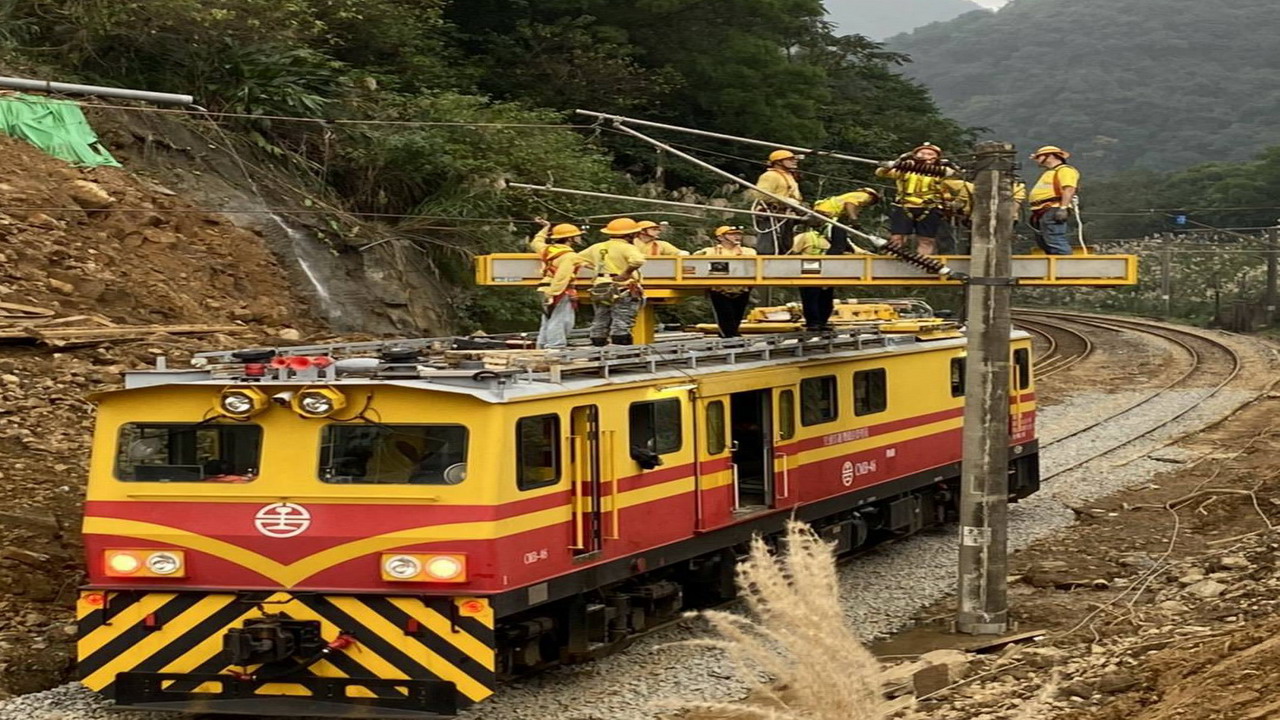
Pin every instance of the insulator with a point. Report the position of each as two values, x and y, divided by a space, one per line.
915 167
924 263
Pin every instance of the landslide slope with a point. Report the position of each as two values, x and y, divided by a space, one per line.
105 243
1157 84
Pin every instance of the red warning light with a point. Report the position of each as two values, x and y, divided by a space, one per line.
300 362
95 599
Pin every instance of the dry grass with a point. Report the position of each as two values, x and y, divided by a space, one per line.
797 635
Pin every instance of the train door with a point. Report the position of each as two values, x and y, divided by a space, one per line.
751 435
1019 390
784 455
586 476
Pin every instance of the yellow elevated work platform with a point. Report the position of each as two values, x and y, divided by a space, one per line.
702 272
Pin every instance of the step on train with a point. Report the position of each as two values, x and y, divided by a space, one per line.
392 529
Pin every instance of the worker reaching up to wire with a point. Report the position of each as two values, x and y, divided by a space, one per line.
616 293
846 209
560 265
650 241
729 303
778 180
1052 200
917 209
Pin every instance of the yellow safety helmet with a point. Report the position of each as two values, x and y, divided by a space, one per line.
726 229
1051 150
875 194
779 155
564 231
621 226
646 224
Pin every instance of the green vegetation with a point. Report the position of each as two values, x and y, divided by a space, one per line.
1125 84
765 68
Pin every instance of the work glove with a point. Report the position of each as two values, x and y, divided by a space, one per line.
1061 214
887 164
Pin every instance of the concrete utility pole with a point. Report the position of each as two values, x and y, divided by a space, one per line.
984 489
1269 301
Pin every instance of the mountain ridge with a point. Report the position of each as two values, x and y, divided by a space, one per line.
1125 84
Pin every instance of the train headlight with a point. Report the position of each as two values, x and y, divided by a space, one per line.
123 563
446 568
318 402
424 567
242 403
164 563
402 567
145 563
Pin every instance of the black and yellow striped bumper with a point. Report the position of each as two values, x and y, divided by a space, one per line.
164 651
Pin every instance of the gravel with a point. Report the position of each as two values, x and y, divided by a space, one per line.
881 591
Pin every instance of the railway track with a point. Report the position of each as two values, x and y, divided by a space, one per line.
1209 367
1065 346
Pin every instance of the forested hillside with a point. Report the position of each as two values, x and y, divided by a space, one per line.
878 19
492 80
1158 84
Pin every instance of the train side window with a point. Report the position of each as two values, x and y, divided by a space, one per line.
360 454
787 414
1022 365
538 451
818 400
656 426
957 377
870 392
715 427
188 452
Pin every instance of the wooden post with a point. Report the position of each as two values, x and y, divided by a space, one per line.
984 491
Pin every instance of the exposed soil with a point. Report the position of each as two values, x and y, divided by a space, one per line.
63 248
1161 604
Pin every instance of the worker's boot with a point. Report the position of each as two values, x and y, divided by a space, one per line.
599 342
621 340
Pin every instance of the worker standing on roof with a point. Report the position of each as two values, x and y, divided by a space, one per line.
650 243
917 210
1052 200
560 265
616 293
846 209
818 302
779 180
729 303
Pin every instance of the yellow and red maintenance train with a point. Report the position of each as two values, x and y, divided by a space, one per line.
389 529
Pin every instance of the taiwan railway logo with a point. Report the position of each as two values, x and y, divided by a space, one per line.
282 520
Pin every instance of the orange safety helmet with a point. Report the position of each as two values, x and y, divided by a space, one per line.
1051 150
564 231
928 146
780 155
621 226
646 224
875 194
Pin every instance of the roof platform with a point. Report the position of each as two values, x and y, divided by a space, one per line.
693 273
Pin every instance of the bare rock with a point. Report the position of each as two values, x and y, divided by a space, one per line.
90 195
289 334
1207 589
1234 562
938 670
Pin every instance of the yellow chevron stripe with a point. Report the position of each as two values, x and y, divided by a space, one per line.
441 627
156 641
419 653
121 622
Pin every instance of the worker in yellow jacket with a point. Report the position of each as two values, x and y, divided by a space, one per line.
650 241
560 266
1052 200
616 293
917 209
818 302
729 303
779 179
846 209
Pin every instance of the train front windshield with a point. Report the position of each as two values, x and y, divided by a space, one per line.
397 454
188 452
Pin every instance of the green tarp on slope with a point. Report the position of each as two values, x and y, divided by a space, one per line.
57 127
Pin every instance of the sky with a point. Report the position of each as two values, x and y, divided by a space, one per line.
991 3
